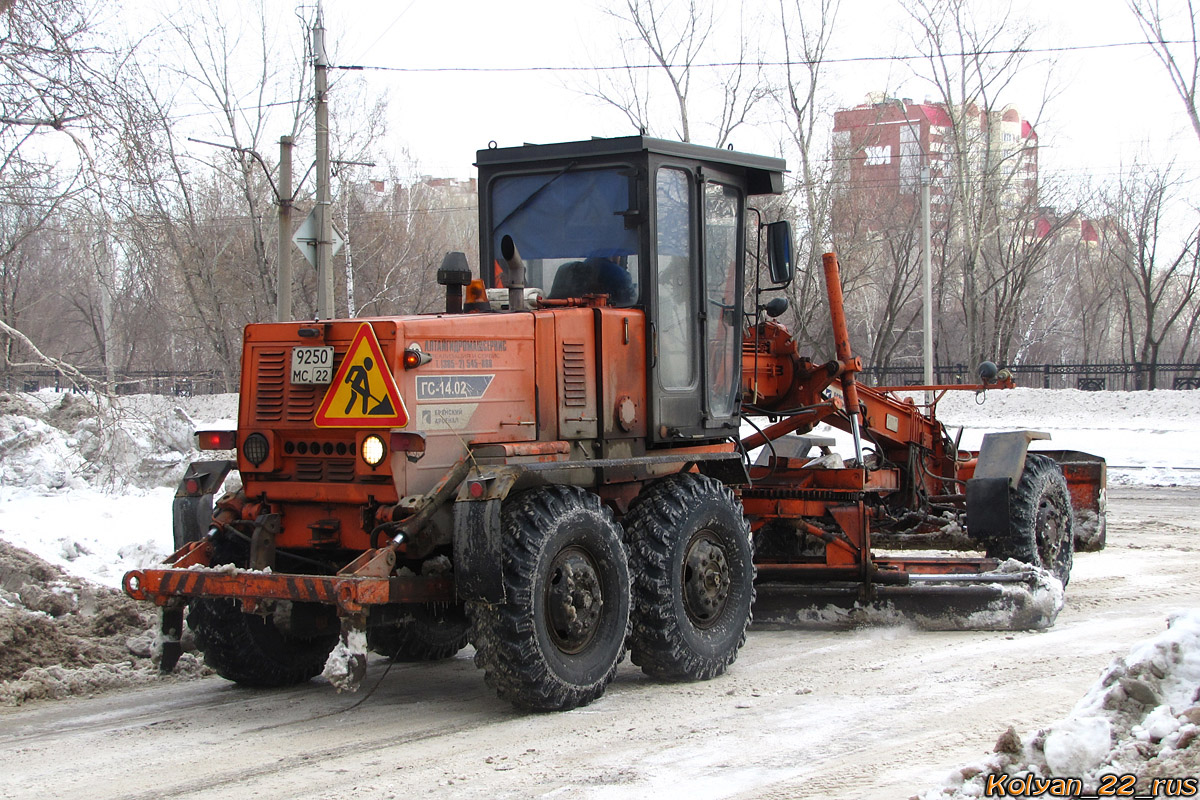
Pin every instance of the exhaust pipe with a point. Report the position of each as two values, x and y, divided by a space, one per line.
514 279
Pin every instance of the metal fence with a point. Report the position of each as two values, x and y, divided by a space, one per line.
1088 377
181 384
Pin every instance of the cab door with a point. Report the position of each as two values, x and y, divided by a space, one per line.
697 303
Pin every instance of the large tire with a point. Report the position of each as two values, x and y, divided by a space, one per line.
1041 523
250 649
556 642
693 586
427 633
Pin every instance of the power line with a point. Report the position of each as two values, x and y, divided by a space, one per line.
215 111
785 63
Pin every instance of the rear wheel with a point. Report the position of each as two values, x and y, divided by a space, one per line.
556 642
427 633
693 569
251 649
1041 527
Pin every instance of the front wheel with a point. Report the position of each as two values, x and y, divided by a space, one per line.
1041 523
693 588
556 642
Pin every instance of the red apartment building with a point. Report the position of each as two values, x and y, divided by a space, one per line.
879 148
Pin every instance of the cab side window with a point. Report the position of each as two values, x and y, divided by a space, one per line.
722 227
673 280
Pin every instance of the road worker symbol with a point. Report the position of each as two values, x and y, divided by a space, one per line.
363 393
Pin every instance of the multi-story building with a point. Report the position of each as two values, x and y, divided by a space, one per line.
880 147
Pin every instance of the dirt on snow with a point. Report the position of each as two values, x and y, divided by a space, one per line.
62 636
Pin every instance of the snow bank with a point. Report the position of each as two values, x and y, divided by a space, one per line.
86 483
61 635
1146 437
1141 718
54 441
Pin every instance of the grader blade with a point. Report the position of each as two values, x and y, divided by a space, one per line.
1013 597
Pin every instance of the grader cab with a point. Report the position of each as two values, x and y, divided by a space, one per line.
554 468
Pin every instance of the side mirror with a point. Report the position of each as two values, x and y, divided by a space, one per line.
779 252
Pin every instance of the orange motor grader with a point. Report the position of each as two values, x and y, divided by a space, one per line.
554 468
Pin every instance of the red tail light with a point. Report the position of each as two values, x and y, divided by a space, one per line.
216 440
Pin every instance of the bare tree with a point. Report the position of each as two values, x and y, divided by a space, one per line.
971 61
1160 269
1023 296
202 212
806 28
673 35
49 65
403 227
1176 48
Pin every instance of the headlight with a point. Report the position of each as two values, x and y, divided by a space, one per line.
373 450
256 448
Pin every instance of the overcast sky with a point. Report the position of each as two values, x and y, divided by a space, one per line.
1112 105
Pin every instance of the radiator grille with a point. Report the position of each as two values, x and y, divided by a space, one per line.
302 403
574 374
270 385
332 470
309 470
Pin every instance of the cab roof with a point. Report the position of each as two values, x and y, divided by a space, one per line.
764 175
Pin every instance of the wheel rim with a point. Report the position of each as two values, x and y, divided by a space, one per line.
1049 533
705 578
574 600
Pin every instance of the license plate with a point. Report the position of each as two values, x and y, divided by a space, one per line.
312 365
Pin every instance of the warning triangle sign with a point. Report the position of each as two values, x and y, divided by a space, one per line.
363 393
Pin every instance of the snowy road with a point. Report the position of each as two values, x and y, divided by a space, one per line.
878 713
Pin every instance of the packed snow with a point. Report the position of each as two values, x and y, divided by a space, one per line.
347 662
1139 719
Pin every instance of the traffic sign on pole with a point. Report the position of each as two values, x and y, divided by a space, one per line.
308 234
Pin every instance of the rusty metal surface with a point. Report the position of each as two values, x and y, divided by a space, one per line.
349 593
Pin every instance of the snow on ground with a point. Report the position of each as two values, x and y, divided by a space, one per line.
1139 719
83 489
87 484
1146 437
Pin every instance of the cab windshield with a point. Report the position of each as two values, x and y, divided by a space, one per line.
570 228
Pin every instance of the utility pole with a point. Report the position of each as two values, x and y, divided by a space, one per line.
926 255
323 208
926 278
284 196
105 272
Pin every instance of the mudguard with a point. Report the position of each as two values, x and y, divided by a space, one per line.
191 512
478 551
1001 462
